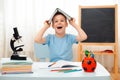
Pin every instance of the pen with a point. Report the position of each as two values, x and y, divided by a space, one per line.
51 64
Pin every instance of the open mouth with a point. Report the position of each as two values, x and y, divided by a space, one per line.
59 27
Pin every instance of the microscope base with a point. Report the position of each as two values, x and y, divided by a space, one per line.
17 57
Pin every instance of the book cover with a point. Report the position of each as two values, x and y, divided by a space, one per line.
7 61
61 11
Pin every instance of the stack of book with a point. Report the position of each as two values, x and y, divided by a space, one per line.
16 66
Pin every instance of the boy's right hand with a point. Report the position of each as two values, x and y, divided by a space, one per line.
47 24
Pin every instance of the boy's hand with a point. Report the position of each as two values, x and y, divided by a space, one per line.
72 22
47 24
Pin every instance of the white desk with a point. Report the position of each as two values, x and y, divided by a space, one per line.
45 74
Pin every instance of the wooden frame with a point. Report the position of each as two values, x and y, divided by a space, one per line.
114 44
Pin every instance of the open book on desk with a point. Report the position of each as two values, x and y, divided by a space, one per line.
58 64
62 64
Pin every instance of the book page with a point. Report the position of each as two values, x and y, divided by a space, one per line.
61 63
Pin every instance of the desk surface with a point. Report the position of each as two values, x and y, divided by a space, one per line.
45 74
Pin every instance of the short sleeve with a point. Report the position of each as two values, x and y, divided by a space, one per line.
47 38
73 38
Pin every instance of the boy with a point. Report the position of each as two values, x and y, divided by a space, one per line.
60 43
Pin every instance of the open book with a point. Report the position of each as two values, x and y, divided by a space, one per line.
61 11
62 64
58 64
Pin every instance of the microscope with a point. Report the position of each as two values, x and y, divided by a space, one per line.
16 49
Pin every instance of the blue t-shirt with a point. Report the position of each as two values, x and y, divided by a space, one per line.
60 48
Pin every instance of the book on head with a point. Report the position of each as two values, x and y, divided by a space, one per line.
61 11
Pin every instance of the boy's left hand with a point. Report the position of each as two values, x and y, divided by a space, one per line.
72 22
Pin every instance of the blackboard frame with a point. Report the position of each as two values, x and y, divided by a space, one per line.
115 32
114 44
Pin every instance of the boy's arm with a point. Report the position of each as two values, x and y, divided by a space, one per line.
39 37
81 34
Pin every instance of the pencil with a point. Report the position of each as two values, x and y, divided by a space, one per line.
74 70
52 64
61 69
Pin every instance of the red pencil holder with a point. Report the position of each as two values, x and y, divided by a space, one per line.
89 64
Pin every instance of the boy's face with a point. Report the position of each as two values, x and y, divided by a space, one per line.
59 24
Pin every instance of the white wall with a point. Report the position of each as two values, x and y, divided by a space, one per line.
1 24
